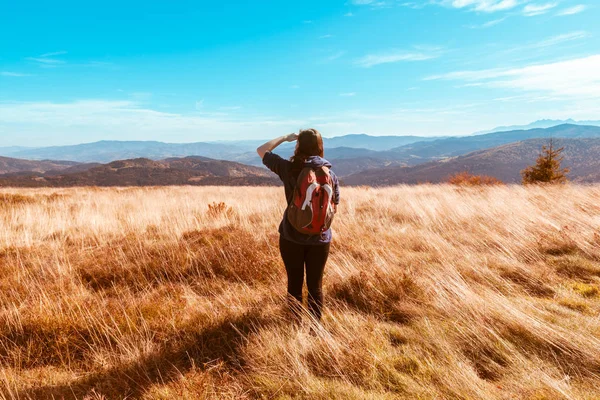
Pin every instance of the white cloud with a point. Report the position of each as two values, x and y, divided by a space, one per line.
558 39
295 87
368 2
54 53
531 10
140 96
487 6
576 78
13 74
548 42
199 104
488 24
46 123
416 5
482 5
348 94
45 60
89 120
572 10
325 36
394 56
48 59
92 63
371 3
348 14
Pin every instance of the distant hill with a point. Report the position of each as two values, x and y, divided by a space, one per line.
8 151
378 143
503 162
361 141
242 151
542 123
146 172
107 151
345 160
14 165
421 152
348 166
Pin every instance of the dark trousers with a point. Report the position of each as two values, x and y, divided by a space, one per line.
295 258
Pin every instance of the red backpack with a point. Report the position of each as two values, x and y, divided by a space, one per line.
311 209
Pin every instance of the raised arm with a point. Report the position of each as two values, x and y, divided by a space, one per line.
271 144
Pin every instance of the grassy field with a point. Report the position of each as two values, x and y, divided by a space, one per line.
432 292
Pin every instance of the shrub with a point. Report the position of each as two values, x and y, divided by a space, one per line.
467 179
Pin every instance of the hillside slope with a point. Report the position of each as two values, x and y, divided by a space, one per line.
145 172
582 156
14 165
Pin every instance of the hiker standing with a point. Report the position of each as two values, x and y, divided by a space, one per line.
312 194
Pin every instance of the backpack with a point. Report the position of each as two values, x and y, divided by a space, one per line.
311 210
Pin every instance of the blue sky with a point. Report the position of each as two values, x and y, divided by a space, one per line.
182 71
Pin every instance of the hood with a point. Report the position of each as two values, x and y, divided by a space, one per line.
316 161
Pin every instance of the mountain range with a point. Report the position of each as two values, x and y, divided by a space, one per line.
240 150
503 162
107 151
420 152
349 160
499 154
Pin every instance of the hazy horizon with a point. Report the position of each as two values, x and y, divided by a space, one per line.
233 141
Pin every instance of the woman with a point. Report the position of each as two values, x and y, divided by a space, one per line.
301 250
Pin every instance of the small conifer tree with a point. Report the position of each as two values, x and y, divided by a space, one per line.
547 168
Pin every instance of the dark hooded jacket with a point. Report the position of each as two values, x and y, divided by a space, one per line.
283 169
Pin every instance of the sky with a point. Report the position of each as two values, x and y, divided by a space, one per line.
187 71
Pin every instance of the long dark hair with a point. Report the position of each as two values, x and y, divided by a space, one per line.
310 143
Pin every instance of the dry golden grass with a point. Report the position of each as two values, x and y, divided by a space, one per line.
432 292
